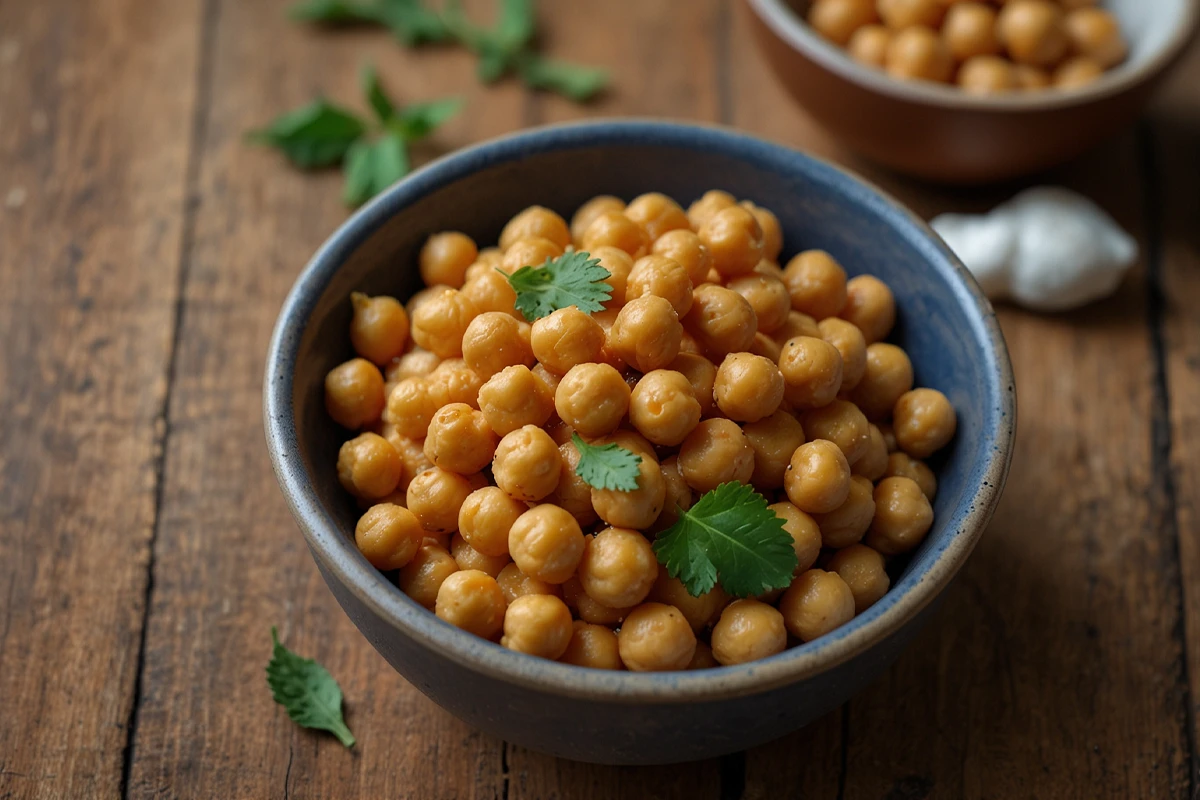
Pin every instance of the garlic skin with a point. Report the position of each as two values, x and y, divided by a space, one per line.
1047 249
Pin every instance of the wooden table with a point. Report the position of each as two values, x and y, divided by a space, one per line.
145 550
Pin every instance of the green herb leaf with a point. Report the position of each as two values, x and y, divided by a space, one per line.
516 24
731 535
418 120
579 83
318 135
607 466
371 167
335 12
412 22
311 696
572 279
381 104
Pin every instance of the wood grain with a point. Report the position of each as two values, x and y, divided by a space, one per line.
95 100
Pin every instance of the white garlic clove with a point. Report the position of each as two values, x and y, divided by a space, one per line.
985 243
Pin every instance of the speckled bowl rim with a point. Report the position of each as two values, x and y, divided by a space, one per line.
787 25
336 551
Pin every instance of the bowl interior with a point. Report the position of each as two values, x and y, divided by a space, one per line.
944 323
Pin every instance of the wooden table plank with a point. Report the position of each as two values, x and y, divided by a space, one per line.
95 105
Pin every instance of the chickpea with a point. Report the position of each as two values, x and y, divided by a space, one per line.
817 284
550 380
587 213
888 375
471 600
388 536
849 341
539 625
869 45
468 557
379 327
663 407
848 523
354 394
662 277
460 439
618 567
747 631
588 609
655 638
816 603
735 240
485 518
422 577
721 320
488 260
1028 77
494 341
710 203
491 291
924 422
702 375
527 464
619 264
902 465
862 570
369 467
565 338
684 247
614 229
843 424
678 495
435 496
987 75
608 353
445 257
771 230
889 437
703 658
903 516
837 20
700 612
901 14
515 583
818 478
766 347
1076 72
919 53
870 306
592 399
416 363
1032 32
812 372
768 297
546 543
592 646
530 252
513 398
796 324
420 298
805 533
657 214
536 221
438 324
632 441
638 508
715 452
872 464
412 456
454 382
774 439
748 387
970 30
410 407
572 493
1096 34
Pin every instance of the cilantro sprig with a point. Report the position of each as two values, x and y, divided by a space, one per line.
410 21
730 535
572 279
373 154
307 691
607 466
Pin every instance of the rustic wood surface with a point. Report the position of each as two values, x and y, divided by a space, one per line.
145 550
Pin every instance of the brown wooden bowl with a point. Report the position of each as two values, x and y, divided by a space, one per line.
941 133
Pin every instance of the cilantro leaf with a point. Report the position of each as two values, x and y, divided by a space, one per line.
418 120
334 12
731 535
572 279
371 167
317 135
607 466
381 104
311 696
412 22
516 24
579 83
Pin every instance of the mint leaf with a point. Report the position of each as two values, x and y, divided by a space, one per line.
371 167
311 696
412 22
730 535
572 279
381 104
418 120
317 135
335 12
607 466
576 82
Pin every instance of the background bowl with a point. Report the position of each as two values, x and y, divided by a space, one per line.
619 717
938 132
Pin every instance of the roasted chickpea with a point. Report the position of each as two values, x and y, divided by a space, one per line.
710 203
410 407
539 625
771 230
849 341
654 638
837 20
513 398
870 306
435 496
592 646
862 570
587 213
700 611
987 75
460 439
768 297
471 600
354 394
663 407
1032 32
924 422
619 264
703 658
468 557
735 240
486 517
843 424
685 248
530 252
722 321
618 567
572 493
494 341
702 375
527 464
638 508
420 298
816 603
902 465
445 257
536 221
388 536
747 631
488 259
663 277
454 382
774 439
1028 77
369 467
748 387
412 456
379 327
678 496
416 363
491 291
766 347
919 53
812 372
872 464
646 333
970 30
888 375
546 543
901 14
422 577
515 583
796 324
588 609
805 533
632 441
614 229
1076 72
1096 34
608 353
438 324
869 44
550 380
848 523
592 399
657 214
818 478
715 452
817 284
903 516
565 338
889 437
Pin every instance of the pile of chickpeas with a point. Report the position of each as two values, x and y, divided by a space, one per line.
711 362
983 47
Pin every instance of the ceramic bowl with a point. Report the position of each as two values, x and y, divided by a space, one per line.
940 133
945 323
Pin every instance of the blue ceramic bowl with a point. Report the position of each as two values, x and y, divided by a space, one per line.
945 324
